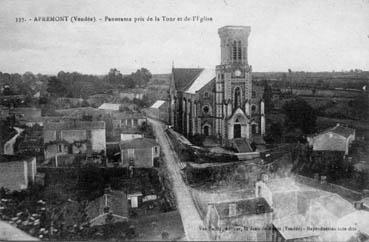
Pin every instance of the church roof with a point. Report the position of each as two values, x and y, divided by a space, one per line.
183 77
201 80
158 104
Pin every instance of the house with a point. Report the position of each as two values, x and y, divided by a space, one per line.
122 125
300 206
28 116
159 110
67 102
74 137
293 229
110 106
112 206
281 194
4 112
139 152
220 102
6 134
132 94
233 220
117 123
32 142
97 99
17 172
9 232
338 138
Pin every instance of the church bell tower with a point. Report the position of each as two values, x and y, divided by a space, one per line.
233 84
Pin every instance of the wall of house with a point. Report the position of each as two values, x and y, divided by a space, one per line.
98 140
143 157
73 135
49 135
329 141
237 225
124 137
52 150
13 175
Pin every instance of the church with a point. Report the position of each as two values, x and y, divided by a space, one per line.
221 102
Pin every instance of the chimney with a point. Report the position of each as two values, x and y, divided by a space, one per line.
232 209
107 189
260 208
358 205
264 177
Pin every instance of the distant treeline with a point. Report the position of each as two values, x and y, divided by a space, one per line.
70 84
355 79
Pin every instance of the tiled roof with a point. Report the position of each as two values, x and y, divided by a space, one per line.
206 76
138 143
335 204
341 130
127 115
11 233
244 207
291 222
110 106
158 104
115 200
281 185
14 158
183 77
74 125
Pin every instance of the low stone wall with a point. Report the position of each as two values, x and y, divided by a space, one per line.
248 155
340 190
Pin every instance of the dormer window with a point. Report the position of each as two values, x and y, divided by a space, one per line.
206 94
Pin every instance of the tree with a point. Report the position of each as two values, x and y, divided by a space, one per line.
360 106
299 114
275 133
114 77
267 96
56 87
129 82
141 77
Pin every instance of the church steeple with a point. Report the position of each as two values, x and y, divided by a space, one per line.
233 44
233 80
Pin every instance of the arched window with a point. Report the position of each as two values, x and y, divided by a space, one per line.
239 50
206 109
234 54
237 97
253 108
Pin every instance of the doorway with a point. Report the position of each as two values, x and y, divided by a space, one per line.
206 130
237 131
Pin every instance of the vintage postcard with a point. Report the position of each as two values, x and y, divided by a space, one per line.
171 120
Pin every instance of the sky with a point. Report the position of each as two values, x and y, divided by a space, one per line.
301 35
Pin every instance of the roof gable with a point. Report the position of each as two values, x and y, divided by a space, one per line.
115 200
252 206
138 143
158 104
206 76
340 130
184 77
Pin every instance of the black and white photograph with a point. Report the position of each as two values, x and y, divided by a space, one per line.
184 120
